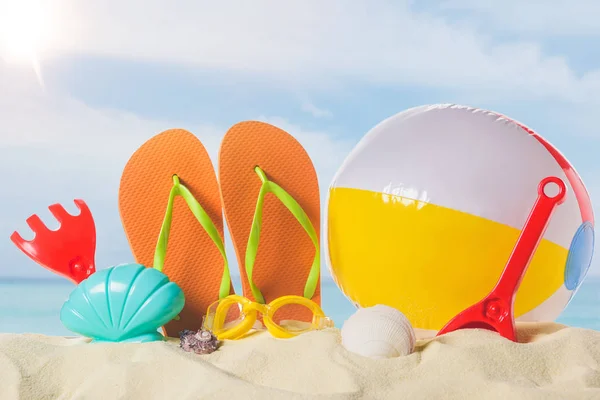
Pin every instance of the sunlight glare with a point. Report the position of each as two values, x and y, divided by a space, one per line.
24 30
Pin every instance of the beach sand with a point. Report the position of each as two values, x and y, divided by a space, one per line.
555 362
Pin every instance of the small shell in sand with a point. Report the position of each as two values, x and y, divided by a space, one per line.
199 342
378 332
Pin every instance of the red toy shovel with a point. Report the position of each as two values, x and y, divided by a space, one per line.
496 311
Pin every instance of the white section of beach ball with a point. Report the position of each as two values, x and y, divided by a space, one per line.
491 166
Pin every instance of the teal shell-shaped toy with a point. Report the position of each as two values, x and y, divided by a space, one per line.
125 303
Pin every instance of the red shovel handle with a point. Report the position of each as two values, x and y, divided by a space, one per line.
530 237
495 311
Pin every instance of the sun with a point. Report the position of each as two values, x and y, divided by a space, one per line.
24 31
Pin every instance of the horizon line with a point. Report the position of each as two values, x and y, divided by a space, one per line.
59 281
64 281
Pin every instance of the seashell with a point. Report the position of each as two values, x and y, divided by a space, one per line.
378 332
125 303
199 342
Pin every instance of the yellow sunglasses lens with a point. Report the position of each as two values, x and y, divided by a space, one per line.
297 318
222 316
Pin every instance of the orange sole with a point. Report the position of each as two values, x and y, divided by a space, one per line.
285 252
192 259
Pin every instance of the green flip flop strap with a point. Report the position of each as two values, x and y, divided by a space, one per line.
252 248
179 189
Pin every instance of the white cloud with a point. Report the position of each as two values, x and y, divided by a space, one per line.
549 18
315 111
312 42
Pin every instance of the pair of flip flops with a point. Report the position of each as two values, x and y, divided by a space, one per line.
169 194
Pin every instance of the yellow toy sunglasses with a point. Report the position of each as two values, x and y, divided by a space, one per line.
234 316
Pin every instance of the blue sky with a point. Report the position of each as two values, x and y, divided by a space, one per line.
113 74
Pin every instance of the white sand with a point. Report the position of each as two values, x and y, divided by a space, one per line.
555 363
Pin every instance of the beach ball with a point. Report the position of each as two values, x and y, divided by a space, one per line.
425 211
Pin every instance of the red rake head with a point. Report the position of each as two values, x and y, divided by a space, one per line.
68 251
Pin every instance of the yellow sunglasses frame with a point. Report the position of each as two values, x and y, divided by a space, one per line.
250 310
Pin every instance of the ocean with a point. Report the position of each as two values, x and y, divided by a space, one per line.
33 306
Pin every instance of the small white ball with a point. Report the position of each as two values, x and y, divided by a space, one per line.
378 332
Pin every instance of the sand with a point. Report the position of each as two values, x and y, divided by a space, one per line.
556 362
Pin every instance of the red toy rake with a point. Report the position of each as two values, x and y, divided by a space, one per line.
68 251
496 311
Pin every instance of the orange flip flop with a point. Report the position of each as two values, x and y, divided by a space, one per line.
270 195
171 211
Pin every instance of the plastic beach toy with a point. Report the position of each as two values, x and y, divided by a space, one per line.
219 319
68 252
495 311
124 303
425 211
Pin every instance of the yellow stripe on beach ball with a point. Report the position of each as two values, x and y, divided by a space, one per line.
428 261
